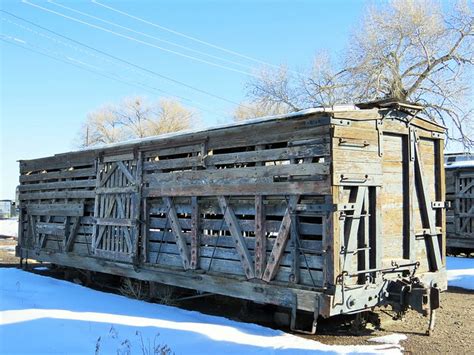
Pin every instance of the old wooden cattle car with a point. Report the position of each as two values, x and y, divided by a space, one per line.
330 211
460 194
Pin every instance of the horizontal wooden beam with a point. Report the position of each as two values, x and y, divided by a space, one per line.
56 209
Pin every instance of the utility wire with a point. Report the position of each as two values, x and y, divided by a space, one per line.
74 62
184 35
130 38
152 37
125 61
192 102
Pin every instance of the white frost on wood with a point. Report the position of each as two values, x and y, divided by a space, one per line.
43 315
9 227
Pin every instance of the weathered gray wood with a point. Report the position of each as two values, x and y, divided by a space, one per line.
80 194
50 228
427 211
260 237
54 175
56 209
194 233
57 185
236 232
178 234
281 241
249 187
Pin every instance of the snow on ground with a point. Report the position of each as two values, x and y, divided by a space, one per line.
460 272
9 227
389 339
42 315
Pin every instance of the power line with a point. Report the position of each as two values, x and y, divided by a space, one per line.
73 62
193 103
135 39
184 35
150 36
178 82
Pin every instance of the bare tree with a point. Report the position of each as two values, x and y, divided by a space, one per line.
134 118
407 50
248 110
101 127
171 116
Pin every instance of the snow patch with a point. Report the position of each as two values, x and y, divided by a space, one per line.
394 339
86 321
9 227
460 272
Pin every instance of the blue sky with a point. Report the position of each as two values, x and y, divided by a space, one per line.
43 101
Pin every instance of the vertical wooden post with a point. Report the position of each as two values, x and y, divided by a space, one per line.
260 237
441 193
194 233
411 196
295 250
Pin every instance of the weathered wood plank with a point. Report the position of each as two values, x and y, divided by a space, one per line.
79 194
66 174
178 234
195 233
280 243
260 237
58 185
234 227
56 209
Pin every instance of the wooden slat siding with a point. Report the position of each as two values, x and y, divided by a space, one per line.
56 209
208 205
67 174
230 253
227 241
118 157
236 233
57 162
295 152
237 188
165 150
57 185
79 194
304 228
233 267
177 163
260 237
178 234
266 133
195 233
239 173
280 242
427 211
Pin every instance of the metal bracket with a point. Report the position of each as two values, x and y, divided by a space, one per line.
378 126
294 309
347 143
440 204
340 122
354 180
